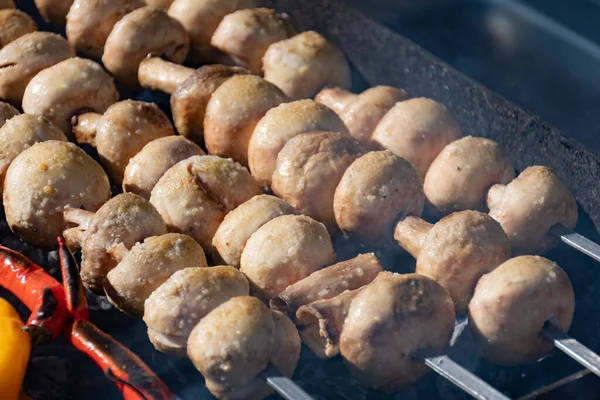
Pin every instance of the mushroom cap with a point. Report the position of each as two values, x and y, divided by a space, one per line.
7 112
7 4
123 131
188 102
147 266
14 24
44 180
462 174
237 227
417 130
246 34
304 64
176 306
164 4
147 30
150 164
529 206
335 98
54 11
195 194
233 111
309 168
89 22
61 91
279 125
20 133
459 249
377 190
23 58
284 251
511 305
123 220
390 319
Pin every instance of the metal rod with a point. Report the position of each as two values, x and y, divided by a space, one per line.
284 385
572 347
555 385
461 377
577 241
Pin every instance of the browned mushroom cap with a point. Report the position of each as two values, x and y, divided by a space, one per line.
164 4
456 251
54 11
279 125
6 112
304 64
237 227
147 30
89 22
417 130
20 133
124 129
195 194
282 252
376 191
309 168
150 164
23 58
14 24
147 266
176 307
201 18
65 89
246 34
390 319
529 206
335 98
512 304
233 111
44 180
7 4
462 174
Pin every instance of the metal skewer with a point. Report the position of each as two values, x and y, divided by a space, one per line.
284 385
572 347
577 241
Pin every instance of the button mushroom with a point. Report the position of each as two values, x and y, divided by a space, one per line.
309 168
236 341
150 164
14 24
68 88
195 194
378 189
304 64
417 130
176 307
512 304
23 58
54 11
456 251
233 111
279 125
529 206
89 22
121 132
245 35
284 251
105 236
147 30
6 112
42 182
462 174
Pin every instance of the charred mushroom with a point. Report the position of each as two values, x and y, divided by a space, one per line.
6 112
54 11
14 24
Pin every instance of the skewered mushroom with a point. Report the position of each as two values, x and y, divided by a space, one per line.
150 164
417 130
236 341
42 182
176 307
23 58
6 112
512 304
147 266
279 125
304 64
309 167
14 24
54 11
121 132
105 236
456 251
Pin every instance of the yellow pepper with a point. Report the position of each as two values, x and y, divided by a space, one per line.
15 347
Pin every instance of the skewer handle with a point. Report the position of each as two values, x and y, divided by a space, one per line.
577 241
572 347
284 385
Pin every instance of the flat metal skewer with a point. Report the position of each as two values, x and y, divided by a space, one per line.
572 347
284 385
577 241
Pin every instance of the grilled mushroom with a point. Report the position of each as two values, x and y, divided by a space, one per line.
14 24
54 11
6 112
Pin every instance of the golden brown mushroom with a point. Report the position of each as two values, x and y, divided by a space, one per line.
6 112
14 24
54 11
512 304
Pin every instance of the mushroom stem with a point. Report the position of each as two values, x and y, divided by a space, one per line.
118 251
74 238
410 233
494 195
79 217
84 127
335 98
157 74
